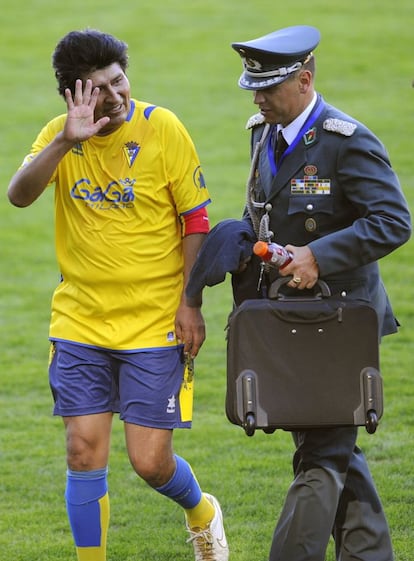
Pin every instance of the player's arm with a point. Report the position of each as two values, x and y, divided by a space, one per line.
30 181
190 327
189 322
195 224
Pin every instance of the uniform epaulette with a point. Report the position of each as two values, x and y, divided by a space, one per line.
255 120
338 125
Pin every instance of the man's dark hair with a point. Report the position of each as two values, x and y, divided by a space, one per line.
81 52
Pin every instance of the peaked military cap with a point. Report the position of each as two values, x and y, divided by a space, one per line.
269 60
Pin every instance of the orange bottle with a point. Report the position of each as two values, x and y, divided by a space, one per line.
273 253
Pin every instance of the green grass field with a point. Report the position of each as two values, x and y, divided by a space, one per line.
180 56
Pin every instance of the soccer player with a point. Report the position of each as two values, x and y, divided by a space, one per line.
130 217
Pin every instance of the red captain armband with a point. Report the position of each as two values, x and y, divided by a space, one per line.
196 222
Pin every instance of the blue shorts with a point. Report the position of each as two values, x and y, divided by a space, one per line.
147 388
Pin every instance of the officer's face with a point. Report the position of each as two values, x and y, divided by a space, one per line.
284 102
114 96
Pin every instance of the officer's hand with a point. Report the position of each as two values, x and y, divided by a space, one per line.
303 268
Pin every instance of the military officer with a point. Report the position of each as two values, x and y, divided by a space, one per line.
322 184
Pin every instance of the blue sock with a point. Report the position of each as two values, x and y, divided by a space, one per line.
84 489
183 487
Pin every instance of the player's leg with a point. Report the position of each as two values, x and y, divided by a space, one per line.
150 452
76 373
87 500
151 406
151 455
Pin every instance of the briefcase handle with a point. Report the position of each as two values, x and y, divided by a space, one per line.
321 289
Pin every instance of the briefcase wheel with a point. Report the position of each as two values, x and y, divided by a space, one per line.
371 422
250 424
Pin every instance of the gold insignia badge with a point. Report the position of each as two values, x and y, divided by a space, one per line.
310 170
310 224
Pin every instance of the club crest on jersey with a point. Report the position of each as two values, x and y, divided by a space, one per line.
131 150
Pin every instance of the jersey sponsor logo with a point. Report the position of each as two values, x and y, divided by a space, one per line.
198 178
118 194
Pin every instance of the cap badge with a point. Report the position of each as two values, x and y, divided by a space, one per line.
252 64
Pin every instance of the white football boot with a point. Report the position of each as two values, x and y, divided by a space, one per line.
210 543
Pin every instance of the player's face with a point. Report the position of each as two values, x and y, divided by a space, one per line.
114 96
284 102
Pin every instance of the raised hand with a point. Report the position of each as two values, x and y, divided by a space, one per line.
80 122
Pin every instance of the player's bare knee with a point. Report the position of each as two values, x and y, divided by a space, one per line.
153 471
84 455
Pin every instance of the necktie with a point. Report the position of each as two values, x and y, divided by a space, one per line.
280 146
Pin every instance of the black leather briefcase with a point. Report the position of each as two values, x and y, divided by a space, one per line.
303 362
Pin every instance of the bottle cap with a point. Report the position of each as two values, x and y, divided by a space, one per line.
260 248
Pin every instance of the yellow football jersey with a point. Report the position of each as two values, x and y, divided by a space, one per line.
118 203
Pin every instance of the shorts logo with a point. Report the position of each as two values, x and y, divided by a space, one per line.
171 404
